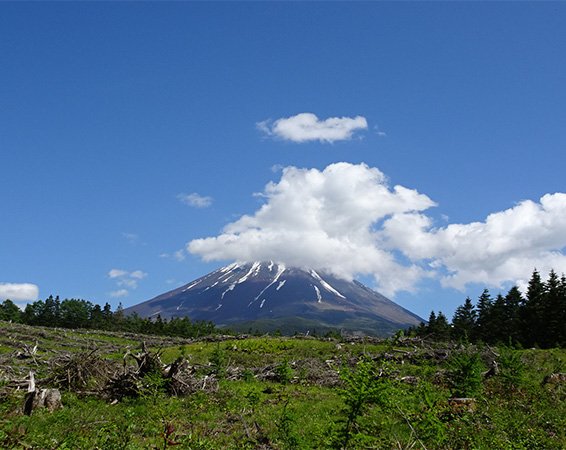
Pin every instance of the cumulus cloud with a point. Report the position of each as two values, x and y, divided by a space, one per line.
125 280
195 200
323 219
346 219
306 127
18 292
499 249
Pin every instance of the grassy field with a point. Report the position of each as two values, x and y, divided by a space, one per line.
277 392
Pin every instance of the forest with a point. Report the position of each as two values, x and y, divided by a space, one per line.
76 313
537 319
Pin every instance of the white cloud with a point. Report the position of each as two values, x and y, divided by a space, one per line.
125 279
306 127
138 274
346 219
195 200
116 273
119 293
178 255
18 292
500 249
323 219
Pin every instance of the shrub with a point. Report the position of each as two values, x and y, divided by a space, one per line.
284 372
465 372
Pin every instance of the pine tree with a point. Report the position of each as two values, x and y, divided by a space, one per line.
484 329
497 321
441 329
464 321
513 304
532 322
561 312
551 324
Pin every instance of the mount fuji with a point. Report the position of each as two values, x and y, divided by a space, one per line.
268 296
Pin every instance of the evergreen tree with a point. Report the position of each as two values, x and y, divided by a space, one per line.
532 322
50 315
107 317
438 327
551 326
498 333
561 312
118 318
513 303
484 329
464 321
96 319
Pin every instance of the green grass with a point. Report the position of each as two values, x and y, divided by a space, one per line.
299 406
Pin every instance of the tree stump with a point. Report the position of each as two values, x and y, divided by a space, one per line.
41 398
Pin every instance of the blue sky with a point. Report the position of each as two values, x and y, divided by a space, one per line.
113 114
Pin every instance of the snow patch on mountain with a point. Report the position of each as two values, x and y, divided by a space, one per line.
280 269
325 285
318 296
193 284
254 270
230 288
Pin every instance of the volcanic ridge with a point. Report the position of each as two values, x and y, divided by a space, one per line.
266 296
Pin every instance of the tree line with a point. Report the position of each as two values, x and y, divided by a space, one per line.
536 319
76 313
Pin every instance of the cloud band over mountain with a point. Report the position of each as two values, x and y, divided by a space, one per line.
347 220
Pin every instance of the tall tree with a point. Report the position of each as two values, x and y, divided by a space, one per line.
484 327
498 333
513 303
550 310
532 322
440 328
561 313
464 321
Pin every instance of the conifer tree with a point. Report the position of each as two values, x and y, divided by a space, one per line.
513 304
532 322
484 329
551 326
464 321
440 329
498 332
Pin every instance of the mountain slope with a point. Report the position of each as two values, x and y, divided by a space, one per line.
268 295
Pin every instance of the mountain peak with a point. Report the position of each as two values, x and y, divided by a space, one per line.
264 291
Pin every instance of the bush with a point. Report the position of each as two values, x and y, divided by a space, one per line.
465 370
